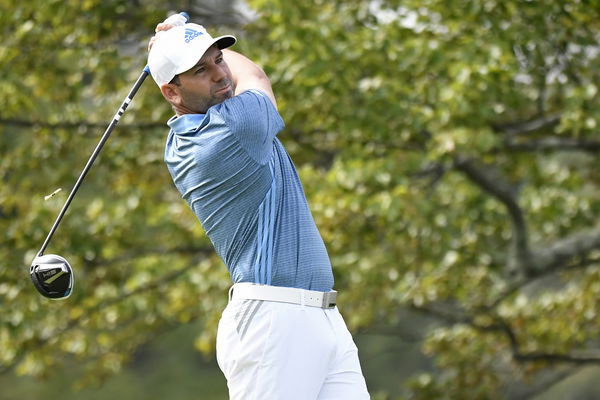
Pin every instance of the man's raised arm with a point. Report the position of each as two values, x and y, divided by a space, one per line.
247 75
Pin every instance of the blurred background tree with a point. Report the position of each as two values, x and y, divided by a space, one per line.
449 151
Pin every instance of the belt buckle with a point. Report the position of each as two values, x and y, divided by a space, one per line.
329 299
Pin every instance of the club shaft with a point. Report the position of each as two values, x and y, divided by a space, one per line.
94 155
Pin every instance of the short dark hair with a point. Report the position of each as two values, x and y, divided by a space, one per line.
175 81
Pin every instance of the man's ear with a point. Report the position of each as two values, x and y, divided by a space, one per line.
171 93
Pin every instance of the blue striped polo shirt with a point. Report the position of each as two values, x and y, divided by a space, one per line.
242 185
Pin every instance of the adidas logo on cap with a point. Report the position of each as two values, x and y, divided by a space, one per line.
191 34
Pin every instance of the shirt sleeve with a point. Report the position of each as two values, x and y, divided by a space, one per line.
254 121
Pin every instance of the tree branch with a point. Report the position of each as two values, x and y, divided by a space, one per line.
542 386
519 284
499 325
533 262
126 256
554 358
557 358
525 127
491 182
79 125
454 316
520 128
554 143
562 251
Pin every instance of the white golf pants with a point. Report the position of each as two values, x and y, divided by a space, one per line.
280 351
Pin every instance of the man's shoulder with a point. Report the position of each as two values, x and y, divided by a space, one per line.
186 123
249 110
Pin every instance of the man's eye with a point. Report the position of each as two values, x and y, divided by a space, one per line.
219 60
199 70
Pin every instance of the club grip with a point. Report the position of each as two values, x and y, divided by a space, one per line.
177 19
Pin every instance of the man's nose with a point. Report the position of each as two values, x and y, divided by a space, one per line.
218 73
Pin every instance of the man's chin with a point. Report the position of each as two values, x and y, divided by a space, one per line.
218 98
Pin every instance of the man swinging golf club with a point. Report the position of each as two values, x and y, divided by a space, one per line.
281 336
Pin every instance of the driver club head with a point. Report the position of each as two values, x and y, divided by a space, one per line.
52 276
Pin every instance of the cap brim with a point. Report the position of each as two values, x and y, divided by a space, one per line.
225 41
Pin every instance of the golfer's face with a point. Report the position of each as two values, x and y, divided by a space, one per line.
208 83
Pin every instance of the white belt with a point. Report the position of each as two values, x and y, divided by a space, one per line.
311 298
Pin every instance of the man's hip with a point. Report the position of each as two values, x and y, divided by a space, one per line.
283 349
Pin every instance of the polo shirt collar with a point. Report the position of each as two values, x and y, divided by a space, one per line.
185 123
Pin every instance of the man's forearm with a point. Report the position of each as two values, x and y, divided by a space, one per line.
247 75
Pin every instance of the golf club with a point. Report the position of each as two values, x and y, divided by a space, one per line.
51 274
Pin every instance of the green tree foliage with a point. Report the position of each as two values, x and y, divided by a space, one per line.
142 263
449 151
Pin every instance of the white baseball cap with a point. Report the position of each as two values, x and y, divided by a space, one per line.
179 49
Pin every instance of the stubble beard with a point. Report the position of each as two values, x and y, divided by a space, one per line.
204 103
